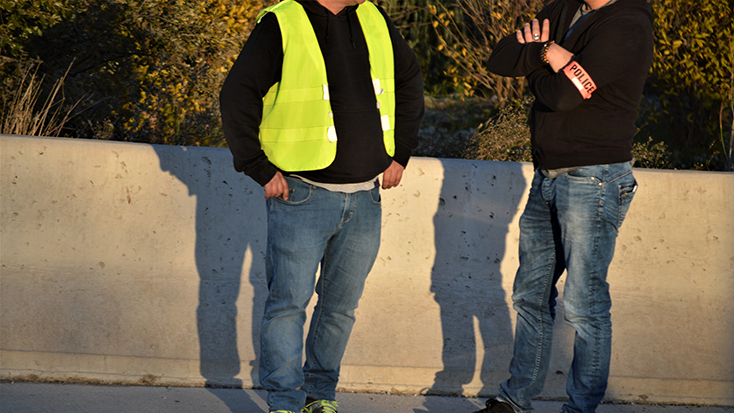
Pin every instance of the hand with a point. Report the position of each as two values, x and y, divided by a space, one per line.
532 32
558 57
277 186
392 175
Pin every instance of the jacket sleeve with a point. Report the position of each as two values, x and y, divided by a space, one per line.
257 68
618 47
409 100
514 59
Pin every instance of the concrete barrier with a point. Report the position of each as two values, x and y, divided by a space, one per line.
135 263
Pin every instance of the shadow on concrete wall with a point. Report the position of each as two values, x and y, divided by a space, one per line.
229 221
475 318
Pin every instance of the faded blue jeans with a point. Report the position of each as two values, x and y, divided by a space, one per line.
341 232
570 223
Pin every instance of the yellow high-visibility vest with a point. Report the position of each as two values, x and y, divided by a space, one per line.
297 130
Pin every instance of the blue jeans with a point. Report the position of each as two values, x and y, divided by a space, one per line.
340 232
570 223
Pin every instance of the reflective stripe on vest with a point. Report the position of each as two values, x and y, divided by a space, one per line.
297 130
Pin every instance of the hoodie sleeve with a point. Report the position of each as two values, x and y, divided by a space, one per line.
257 68
514 59
409 101
620 47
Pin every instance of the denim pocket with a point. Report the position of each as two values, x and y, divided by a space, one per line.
375 195
585 174
627 190
299 192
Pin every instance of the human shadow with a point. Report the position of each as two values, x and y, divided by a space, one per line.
478 201
230 221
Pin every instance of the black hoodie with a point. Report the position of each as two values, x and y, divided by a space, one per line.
361 152
614 44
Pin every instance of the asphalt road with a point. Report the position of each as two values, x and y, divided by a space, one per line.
21 397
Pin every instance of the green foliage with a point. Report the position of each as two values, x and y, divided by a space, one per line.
691 80
149 70
23 19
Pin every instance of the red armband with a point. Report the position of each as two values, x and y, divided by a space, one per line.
580 79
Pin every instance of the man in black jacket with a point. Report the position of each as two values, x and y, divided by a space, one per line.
325 98
586 63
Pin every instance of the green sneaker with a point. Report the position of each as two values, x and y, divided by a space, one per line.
321 406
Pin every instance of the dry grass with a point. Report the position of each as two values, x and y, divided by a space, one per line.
505 137
21 115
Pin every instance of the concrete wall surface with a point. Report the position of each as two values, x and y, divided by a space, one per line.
142 263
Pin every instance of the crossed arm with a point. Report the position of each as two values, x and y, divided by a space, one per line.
557 56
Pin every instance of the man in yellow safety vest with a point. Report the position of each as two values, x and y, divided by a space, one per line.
322 108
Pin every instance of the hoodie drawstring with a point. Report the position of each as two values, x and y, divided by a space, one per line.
349 24
351 36
327 27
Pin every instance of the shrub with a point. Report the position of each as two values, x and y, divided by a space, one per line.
506 137
449 124
149 71
649 154
691 81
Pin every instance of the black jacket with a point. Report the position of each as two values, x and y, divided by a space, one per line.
361 152
614 44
